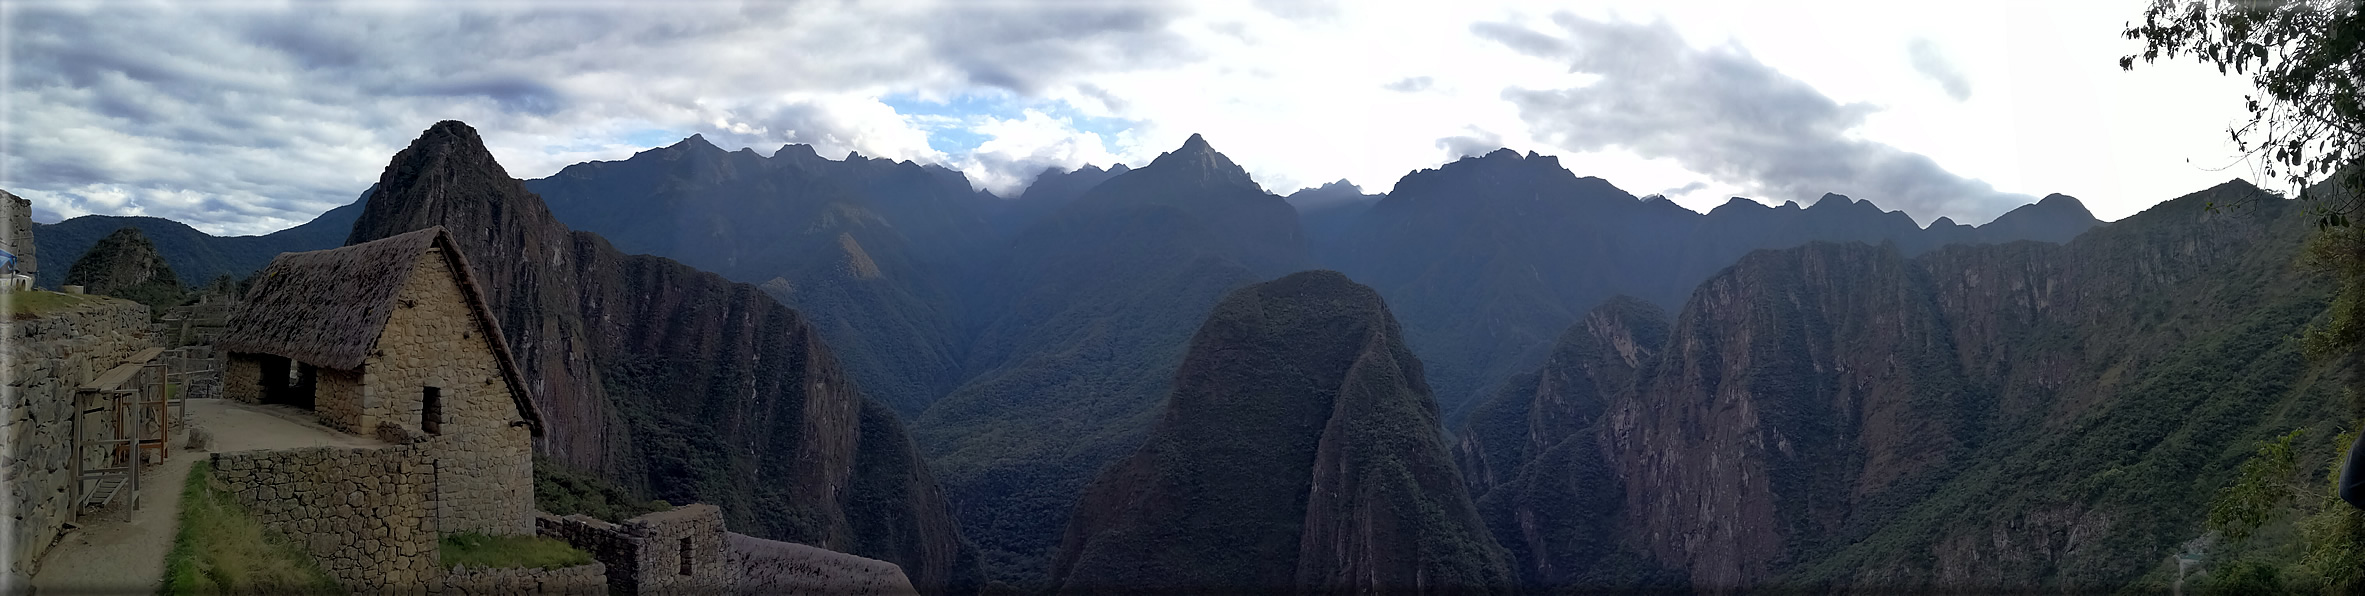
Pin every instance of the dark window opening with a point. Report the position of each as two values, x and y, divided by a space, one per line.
431 410
685 556
288 382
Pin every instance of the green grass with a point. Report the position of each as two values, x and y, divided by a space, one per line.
28 305
478 550
563 491
220 549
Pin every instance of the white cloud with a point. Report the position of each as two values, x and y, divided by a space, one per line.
249 118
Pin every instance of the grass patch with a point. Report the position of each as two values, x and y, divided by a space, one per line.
220 549
562 491
31 305
478 550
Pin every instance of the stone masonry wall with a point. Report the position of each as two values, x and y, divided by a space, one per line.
242 376
581 580
336 398
773 567
42 361
644 555
362 513
16 233
432 339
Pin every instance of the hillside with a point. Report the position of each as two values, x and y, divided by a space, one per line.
676 383
1978 417
125 265
1093 306
1487 259
197 256
1299 451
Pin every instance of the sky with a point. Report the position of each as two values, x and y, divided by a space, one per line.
250 117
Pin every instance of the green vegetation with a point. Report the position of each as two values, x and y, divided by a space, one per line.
563 491
222 550
27 305
478 550
2282 534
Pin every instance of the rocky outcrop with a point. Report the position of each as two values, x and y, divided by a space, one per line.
1978 418
125 265
676 383
1298 451
198 257
1488 258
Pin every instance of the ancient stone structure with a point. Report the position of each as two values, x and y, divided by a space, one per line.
579 580
362 513
686 551
16 232
395 333
46 357
389 339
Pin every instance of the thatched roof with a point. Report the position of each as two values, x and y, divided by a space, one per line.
328 307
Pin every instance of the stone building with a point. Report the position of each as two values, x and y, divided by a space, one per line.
16 232
393 339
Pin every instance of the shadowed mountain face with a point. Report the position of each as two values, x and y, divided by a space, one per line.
1488 259
1091 309
1841 417
872 249
125 265
198 257
1299 450
674 382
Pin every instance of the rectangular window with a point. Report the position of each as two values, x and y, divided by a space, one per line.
431 410
685 556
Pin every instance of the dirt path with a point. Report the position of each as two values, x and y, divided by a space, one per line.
122 551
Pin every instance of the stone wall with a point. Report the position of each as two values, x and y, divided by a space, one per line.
362 513
773 567
42 360
242 377
336 398
583 580
646 554
432 339
16 231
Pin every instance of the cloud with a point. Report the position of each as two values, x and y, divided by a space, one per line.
1410 85
251 118
1721 113
1477 143
1932 63
1695 186
1017 149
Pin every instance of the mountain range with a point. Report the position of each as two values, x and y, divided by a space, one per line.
1578 387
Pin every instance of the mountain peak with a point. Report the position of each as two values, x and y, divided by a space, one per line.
1198 160
445 177
696 140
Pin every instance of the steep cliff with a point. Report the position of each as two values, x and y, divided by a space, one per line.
1093 306
1298 451
675 382
1980 417
1488 258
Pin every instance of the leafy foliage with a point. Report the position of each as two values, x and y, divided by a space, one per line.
2302 56
563 491
2262 484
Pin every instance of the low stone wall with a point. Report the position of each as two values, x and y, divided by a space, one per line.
647 554
775 567
362 513
585 580
42 360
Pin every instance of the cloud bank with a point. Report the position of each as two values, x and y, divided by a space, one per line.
1721 113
